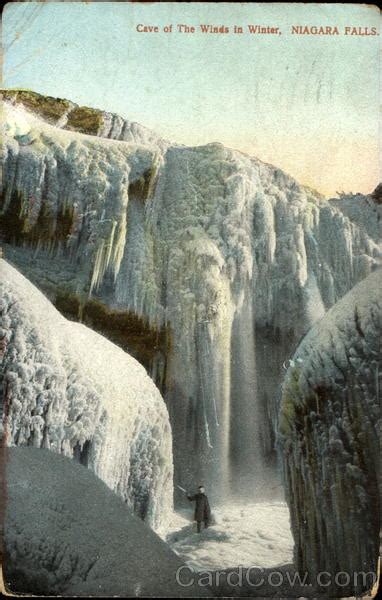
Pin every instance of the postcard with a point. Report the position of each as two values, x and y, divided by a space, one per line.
190 299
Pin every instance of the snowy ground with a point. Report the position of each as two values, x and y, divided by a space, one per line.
247 535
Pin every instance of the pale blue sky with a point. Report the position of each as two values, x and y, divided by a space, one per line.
308 104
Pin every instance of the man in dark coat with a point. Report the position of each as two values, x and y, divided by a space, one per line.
202 508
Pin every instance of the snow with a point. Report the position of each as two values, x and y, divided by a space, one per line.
250 535
67 534
222 243
69 389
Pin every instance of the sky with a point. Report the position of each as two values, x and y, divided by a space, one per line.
308 104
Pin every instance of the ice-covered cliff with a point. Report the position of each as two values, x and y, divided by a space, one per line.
67 388
214 262
68 115
65 533
329 432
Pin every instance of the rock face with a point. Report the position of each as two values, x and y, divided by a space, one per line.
67 388
66 533
329 429
226 261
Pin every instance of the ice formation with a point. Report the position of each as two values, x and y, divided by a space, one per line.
230 256
66 534
329 433
67 388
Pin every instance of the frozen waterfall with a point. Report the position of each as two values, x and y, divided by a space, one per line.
225 258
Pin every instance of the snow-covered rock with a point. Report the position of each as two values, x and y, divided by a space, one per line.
69 389
92 121
231 257
329 433
66 533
